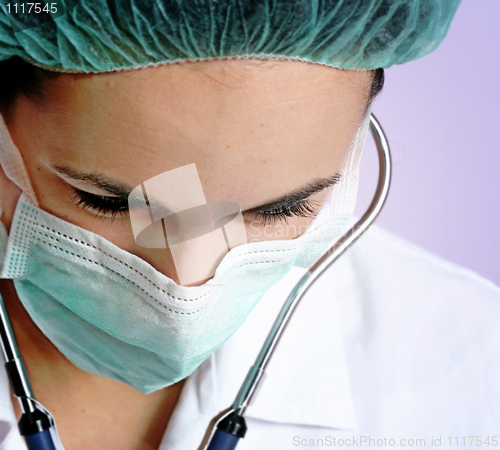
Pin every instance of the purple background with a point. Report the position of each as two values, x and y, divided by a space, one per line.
440 114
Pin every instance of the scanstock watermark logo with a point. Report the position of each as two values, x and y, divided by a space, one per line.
170 211
24 15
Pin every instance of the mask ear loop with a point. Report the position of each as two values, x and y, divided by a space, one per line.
13 165
341 199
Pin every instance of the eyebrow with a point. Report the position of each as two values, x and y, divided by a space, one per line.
122 190
97 180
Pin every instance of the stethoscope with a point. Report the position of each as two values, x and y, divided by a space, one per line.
229 426
37 425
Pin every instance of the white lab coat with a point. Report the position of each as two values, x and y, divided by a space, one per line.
392 343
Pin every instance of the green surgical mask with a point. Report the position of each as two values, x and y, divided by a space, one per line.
112 314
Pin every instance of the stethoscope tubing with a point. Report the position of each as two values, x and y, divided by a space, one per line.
36 424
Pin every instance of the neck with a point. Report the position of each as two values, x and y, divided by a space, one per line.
90 411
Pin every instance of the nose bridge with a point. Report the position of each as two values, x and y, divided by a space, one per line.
170 212
159 258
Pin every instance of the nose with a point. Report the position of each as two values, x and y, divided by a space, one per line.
159 258
194 263
182 234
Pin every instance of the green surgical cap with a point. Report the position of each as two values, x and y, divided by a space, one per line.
109 35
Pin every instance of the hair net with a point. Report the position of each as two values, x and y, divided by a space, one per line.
109 35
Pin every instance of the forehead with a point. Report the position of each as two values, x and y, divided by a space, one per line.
237 120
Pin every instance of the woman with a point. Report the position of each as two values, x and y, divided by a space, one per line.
121 331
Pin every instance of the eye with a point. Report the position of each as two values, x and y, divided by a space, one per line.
282 213
106 206
101 205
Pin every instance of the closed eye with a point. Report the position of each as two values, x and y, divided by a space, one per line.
113 206
101 205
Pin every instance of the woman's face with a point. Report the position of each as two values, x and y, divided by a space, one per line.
257 131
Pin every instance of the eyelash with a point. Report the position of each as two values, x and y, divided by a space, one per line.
103 206
305 208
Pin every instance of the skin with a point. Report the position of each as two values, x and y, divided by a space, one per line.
256 130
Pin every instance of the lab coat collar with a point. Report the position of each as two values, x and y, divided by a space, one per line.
307 380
